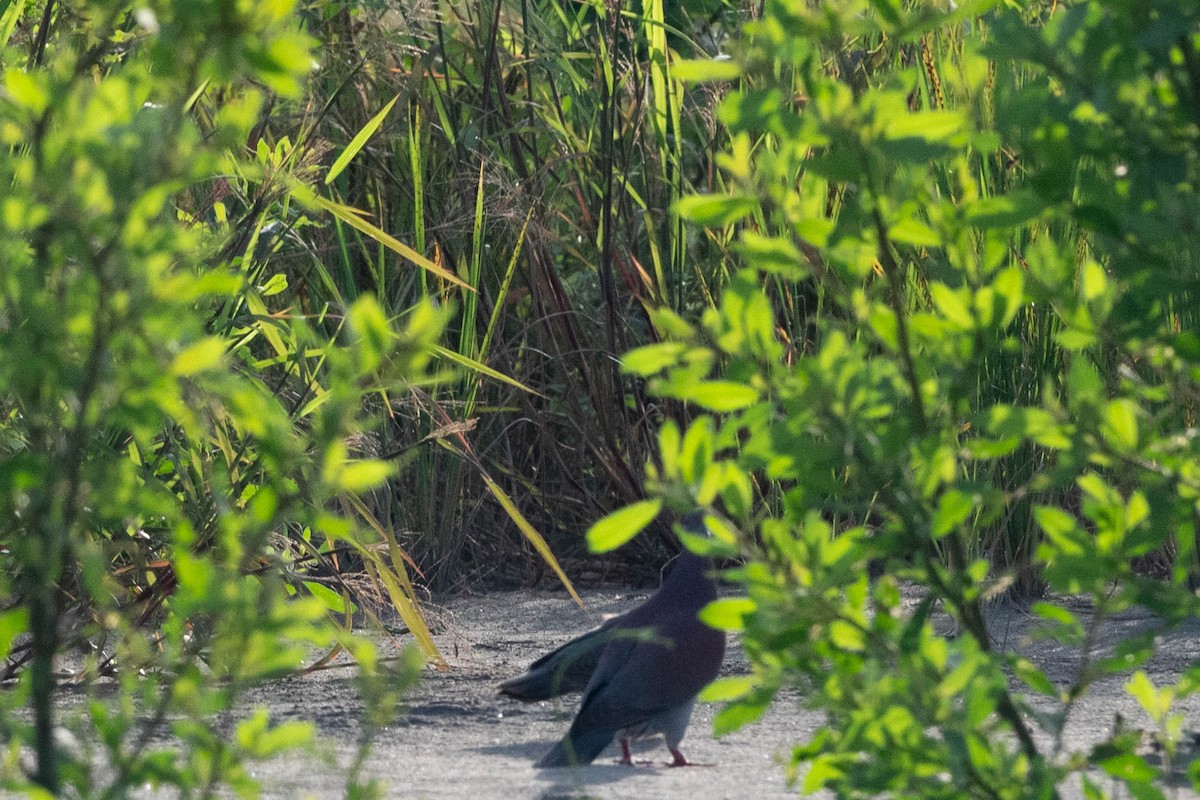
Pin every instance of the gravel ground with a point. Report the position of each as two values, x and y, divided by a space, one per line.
460 739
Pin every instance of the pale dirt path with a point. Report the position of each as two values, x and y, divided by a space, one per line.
461 740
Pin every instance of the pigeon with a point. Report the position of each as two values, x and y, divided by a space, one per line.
639 672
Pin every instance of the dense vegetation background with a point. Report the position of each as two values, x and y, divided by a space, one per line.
308 306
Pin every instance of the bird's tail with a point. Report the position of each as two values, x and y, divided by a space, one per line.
537 684
576 749
567 669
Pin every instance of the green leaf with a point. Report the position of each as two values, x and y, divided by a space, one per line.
824 770
953 509
772 254
737 716
696 450
1010 288
708 546
1093 281
728 613
927 126
671 325
913 232
846 636
1156 702
719 396
652 358
889 11
698 70
1076 339
373 334
1084 382
670 442
1128 767
1058 614
886 325
13 623
202 356
329 598
622 525
258 739
1005 211
275 284
983 449
1029 674
1098 489
734 687
1032 423
360 476
952 304
1120 425
1054 521
716 211
24 90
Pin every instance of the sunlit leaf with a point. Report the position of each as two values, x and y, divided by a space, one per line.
722 690
622 525
359 476
13 623
737 716
707 69
652 358
715 211
204 355
952 305
329 598
728 613
1119 424
276 284
720 396
930 126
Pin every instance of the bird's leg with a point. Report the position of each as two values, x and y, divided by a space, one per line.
626 755
681 760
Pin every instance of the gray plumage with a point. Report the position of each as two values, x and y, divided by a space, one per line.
644 670
563 670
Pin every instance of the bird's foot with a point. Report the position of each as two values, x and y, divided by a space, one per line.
679 760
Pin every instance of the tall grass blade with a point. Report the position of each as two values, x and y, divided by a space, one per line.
505 285
9 17
358 142
352 217
467 334
483 369
416 165
405 607
531 535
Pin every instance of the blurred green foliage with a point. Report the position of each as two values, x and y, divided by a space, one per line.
993 206
173 443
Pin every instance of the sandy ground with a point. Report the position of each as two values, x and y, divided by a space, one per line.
460 739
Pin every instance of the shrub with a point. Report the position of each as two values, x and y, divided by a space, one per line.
989 211
172 441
